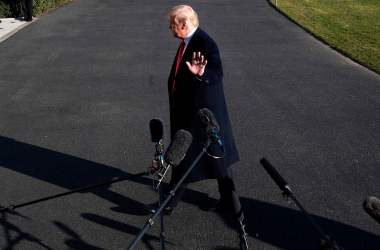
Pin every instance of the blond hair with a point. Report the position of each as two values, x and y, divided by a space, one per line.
183 13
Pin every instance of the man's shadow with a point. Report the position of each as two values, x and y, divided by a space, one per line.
288 228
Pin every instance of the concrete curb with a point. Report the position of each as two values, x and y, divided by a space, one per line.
10 30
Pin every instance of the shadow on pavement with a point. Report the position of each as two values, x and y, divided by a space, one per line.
75 241
63 170
122 227
280 226
288 228
225 248
13 235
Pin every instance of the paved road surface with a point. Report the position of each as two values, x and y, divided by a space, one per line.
79 86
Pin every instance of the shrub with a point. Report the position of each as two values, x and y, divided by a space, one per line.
42 6
16 8
11 8
5 10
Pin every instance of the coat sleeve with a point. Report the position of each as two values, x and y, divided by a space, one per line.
208 85
214 72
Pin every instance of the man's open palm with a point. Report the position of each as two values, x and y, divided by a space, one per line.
198 64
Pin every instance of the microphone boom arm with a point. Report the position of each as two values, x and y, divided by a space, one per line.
149 223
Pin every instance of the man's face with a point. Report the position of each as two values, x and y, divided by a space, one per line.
178 30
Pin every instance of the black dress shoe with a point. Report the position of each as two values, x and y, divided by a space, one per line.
152 208
220 207
168 210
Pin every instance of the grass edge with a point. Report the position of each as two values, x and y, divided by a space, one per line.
324 41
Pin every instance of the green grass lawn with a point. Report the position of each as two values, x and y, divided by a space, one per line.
350 26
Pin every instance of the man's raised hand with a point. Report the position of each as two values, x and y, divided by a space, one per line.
198 64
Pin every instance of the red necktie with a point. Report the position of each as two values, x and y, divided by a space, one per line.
178 61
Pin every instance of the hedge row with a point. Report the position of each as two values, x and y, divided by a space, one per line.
11 8
16 8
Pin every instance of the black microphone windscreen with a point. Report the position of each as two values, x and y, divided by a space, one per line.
281 183
156 130
208 119
178 147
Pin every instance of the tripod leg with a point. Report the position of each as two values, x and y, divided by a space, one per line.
162 233
242 233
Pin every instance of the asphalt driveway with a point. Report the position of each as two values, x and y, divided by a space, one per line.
79 86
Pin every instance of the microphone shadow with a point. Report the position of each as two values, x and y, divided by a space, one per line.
125 228
64 170
290 229
75 241
13 235
280 226
225 248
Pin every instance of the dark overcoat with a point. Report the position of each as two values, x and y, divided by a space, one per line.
192 93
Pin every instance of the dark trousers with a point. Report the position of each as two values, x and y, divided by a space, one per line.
227 190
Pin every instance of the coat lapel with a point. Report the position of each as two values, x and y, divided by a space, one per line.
187 56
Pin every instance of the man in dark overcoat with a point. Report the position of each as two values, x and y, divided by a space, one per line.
195 82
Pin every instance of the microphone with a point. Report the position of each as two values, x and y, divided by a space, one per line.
277 178
326 243
156 130
175 152
178 147
211 125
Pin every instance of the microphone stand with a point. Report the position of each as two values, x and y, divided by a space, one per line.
160 161
149 223
326 242
162 229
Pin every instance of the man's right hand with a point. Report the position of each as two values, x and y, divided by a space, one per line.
198 64
154 167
